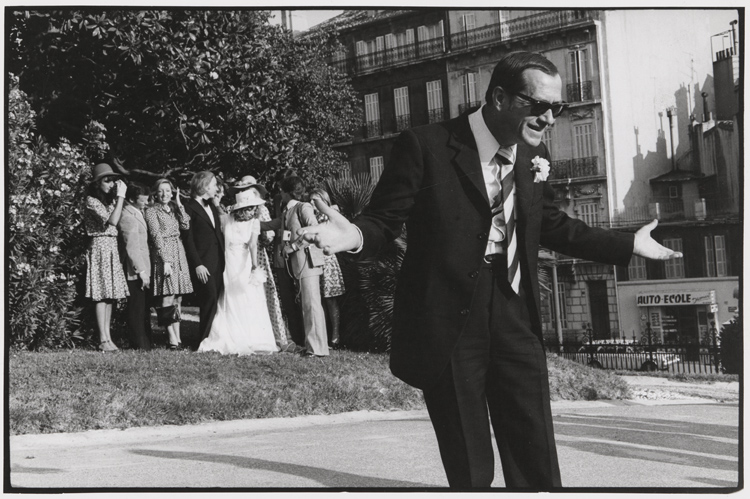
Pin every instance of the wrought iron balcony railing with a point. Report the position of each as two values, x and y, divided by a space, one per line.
579 92
574 168
436 115
403 122
515 28
462 108
676 210
373 128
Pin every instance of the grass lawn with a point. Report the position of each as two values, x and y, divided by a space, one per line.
77 390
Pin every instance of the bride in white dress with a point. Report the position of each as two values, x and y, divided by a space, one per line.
242 324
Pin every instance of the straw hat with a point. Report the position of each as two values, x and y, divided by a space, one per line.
247 182
248 197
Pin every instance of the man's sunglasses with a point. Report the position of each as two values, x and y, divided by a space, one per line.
539 107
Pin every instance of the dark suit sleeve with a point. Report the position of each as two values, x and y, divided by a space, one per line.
273 225
394 196
189 242
574 238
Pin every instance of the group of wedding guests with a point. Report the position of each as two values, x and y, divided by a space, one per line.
149 247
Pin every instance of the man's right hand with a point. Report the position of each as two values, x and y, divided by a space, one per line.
202 272
334 236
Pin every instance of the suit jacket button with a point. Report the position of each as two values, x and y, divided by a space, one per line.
482 235
473 274
465 311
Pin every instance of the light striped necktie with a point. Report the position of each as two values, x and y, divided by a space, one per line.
503 212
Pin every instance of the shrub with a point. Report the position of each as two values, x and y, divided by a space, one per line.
731 346
45 236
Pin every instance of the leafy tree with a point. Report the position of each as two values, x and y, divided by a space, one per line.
45 238
185 90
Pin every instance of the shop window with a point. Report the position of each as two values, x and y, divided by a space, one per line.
376 168
674 268
637 268
716 256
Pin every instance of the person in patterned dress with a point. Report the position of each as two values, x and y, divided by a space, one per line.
332 284
105 278
171 275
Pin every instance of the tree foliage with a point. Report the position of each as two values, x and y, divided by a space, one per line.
182 90
45 239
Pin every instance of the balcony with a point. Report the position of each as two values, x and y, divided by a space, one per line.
436 115
579 92
574 168
522 27
462 108
676 210
403 122
519 27
373 128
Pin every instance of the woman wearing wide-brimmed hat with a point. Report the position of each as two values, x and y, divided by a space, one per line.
105 278
242 324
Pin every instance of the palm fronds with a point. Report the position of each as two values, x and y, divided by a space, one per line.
352 195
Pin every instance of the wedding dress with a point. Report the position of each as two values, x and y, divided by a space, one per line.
242 324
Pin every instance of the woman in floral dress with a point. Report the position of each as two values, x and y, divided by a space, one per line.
332 283
105 278
171 279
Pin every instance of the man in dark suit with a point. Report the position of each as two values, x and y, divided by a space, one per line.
204 247
467 329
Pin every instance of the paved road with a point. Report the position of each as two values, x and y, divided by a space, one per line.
600 444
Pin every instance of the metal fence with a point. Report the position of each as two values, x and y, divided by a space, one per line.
645 354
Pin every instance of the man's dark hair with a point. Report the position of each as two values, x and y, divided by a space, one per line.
289 184
507 72
135 190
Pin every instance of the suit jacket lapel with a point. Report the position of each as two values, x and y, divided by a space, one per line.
466 158
197 208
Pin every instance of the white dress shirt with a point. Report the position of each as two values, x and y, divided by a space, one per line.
487 147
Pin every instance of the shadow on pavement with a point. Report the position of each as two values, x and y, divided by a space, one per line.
324 477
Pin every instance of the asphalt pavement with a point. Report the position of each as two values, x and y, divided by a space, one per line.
682 443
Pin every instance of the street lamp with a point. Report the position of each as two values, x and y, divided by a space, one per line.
671 138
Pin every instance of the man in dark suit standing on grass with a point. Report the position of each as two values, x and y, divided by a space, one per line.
204 247
467 329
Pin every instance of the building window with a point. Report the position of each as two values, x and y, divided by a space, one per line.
579 88
547 139
637 268
467 22
583 140
674 268
674 192
346 172
589 213
469 88
563 305
435 101
372 115
401 100
716 256
376 168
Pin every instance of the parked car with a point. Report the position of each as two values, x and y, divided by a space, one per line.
625 355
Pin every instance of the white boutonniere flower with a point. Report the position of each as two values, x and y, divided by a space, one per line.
540 168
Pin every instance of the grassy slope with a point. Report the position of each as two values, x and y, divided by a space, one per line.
83 390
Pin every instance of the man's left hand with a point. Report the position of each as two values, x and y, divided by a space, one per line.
645 246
